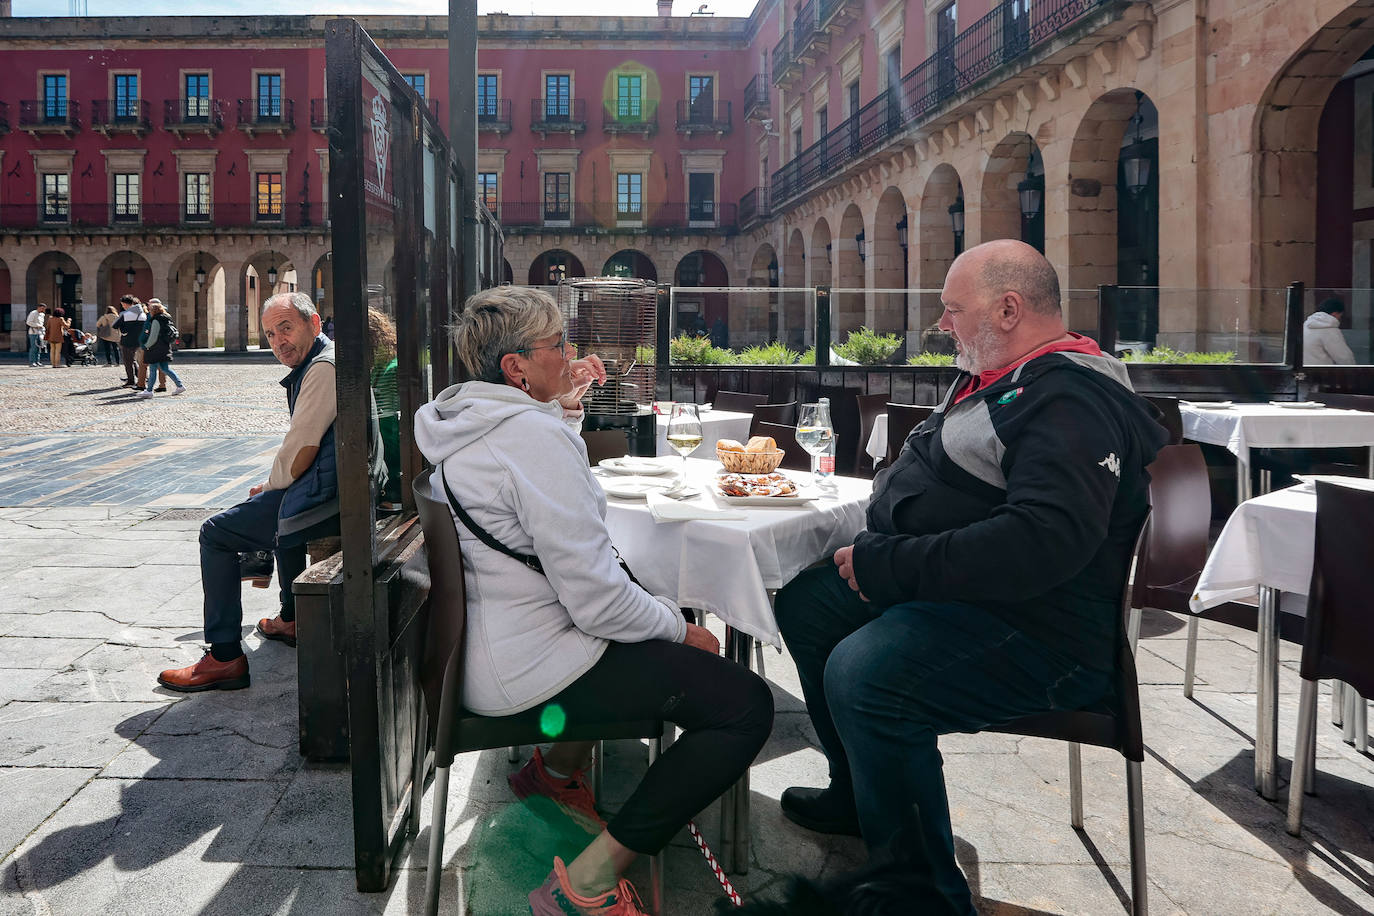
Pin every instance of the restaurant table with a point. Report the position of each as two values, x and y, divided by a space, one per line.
1242 427
715 424
1267 548
876 446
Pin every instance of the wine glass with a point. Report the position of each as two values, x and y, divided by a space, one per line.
815 434
684 435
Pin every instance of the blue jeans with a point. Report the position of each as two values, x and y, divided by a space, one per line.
881 684
33 347
155 368
250 525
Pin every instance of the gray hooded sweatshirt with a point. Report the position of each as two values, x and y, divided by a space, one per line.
519 469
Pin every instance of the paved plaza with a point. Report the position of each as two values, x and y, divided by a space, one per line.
118 797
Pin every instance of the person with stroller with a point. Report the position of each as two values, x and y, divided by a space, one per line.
157 349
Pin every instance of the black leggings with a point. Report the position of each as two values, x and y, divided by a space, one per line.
725 711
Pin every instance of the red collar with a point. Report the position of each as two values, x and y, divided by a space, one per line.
1077 344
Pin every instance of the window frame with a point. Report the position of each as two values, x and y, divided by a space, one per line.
566 114
625 101
202 194
124 106
271 117
265 215
629 189
422 89
64 214
128 201
201 111
58 110
561 194
489 190
495 98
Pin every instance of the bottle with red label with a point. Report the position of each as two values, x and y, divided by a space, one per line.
816 434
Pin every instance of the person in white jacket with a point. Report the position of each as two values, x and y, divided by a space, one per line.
582 636
1323 344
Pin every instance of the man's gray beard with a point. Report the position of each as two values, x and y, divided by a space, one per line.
979 354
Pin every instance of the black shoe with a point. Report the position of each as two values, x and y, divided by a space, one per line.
257 566
163 388
821 810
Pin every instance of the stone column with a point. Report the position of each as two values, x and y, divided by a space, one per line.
235 306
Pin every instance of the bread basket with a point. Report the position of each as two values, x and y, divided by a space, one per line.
750 462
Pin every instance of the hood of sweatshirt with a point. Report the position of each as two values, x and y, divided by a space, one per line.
461 414
1322 320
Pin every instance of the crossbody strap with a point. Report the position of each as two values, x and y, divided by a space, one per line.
484 536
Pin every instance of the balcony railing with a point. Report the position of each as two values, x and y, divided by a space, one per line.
644 121
702 116
263 115
120 115
553 116
195 115
608 215
49 116
783 63
809 36
753 207
319 114
102 215
494 116
756 96
999 38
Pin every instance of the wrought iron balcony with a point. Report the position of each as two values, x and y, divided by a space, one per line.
113 116
195 115
756 96
784 65
494 116
50 116
89 215
558 116
319 114
644 121
702 116
611 216
810 39
266 116
753 207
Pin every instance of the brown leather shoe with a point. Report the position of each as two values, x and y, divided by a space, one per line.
278 629
207 674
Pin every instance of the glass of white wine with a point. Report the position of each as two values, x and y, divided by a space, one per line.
684 435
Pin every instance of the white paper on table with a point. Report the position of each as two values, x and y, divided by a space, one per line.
666 509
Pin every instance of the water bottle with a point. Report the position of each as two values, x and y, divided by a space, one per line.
823 465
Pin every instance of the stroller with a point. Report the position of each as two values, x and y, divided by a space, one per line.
79 348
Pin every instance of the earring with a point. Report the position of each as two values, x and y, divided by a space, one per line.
525 383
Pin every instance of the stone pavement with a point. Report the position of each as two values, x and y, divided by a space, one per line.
119 797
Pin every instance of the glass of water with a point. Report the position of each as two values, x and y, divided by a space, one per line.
815 434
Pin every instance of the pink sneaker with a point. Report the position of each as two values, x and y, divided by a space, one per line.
555 898
572 795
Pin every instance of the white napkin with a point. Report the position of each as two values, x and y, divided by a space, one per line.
666 509
1309 481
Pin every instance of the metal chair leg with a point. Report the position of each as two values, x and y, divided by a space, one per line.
1307 731
513 755
436 842
1348 698
1338 703
656 861
1076 785
1133 627
598 771
1361 723
1310 783
1190 658
1135 803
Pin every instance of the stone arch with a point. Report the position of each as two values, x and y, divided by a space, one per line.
888 246
113 278
259 285
191 301
849 310
40 283
6 297
703 310
630 262
555 264
762 310
796 306
507 272
818 257
936 243
1014 160
320 284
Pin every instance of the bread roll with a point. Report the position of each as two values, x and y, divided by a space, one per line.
729 445
761 444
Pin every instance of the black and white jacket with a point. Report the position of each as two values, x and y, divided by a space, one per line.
1025 498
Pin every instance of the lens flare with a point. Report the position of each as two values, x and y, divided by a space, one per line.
553 720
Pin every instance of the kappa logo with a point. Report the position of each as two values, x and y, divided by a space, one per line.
381 137
1111 463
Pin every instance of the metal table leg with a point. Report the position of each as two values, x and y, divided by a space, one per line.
1267 694
1243 489
742 647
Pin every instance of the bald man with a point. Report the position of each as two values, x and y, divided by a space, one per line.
988 582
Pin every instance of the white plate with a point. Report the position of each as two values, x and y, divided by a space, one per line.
638 467
1209 405
1299 405
800 499
634 487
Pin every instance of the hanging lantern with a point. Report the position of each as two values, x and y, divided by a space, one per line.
129 275
200 275
1135 158
58 277
956 216
272 276
859 244
901 232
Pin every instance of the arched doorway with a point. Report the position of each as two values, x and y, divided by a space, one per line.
266 274
941 239
195 290
762 313
818 256
849 310
55 279
888 250
123 273
554 266
1014 192
796 308
507 274
702 312
321 285
630 263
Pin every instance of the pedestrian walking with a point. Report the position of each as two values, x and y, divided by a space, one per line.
157 350
108 336
56 330
142 351
129 324
37 325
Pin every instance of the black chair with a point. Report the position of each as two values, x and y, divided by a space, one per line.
738 401
786 414
870 406
605 443
1340 399
901 420
795 458
1172 419
1114 725
1340 629
451 728
844 420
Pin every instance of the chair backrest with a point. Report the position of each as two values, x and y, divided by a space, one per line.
441 671
1172 419
605 443
1347 401
786 414
795 458
1340 623
870 406
901 420
738 401
1181 515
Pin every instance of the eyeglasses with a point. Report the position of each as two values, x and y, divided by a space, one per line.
562 345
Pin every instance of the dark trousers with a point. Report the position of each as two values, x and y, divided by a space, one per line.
881 684
109 350
129 371
250 525
724 709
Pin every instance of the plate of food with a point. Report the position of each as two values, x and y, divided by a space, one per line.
760 490
634 487
635 467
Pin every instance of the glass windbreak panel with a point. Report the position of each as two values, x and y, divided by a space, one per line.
1338 327
1081 311
1201 326
870 326
767 326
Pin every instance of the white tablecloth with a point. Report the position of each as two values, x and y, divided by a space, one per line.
715 424
727 567
876 446
1246 426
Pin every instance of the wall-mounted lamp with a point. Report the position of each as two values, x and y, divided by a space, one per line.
1031 189
901 232
58 277
956 220
827 251
129 275
860 245
773 272
272 271
1135 159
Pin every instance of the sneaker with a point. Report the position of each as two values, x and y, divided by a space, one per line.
573 795
180 389
555 898
825 810
207 674
145 393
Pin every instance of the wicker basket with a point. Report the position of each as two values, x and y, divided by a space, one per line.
750 462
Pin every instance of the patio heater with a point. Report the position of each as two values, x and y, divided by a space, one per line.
614 317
